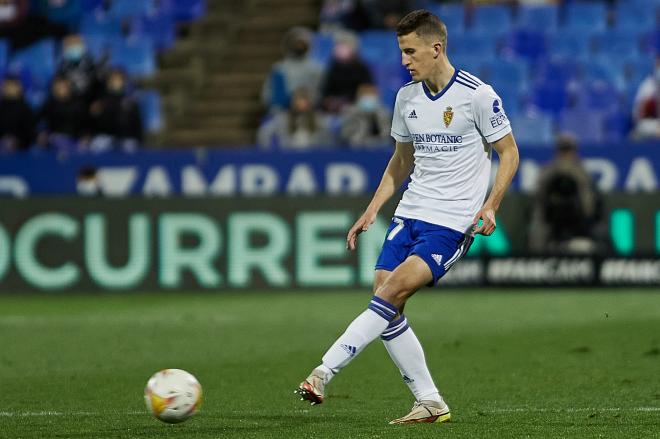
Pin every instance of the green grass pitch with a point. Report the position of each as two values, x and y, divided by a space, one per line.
552 363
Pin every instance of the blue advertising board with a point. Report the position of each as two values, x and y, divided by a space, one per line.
253 172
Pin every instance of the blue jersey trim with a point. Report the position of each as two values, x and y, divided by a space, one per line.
439 95
466 84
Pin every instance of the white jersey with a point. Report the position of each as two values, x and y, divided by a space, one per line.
451 133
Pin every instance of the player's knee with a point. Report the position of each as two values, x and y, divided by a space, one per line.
393 293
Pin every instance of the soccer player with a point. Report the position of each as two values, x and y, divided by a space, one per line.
446 123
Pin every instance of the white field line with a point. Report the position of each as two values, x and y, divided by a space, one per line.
45 413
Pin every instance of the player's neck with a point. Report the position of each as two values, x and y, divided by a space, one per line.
440 79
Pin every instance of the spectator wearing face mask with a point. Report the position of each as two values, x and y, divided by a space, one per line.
80 69
296 70
63 117
17 121
367 122
345 73
646 107
116 117
300 127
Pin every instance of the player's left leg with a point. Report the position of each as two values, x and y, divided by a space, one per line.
368 326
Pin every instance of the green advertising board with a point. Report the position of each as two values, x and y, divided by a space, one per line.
215 244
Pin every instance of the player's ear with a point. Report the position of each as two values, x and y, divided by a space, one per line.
437 47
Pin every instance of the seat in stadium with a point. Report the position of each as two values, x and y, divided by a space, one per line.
321 49
36 63
130 8
616 44
526 43
587 125
533 129
159 28
550 96
603 69
100 24
557 70
493 21
586 17
568 45
4 54
473 44
189 10
630 18
514 71
511 96
542 18
150 110
136 57
378 46
453 15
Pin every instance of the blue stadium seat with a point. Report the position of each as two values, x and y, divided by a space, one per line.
4 54
379 45
599 96
321 49
453 15
493 21
568 45
137 58
634 19
541 18
511 95
503 72
99 46
92 5
151 110
617 43
550 97
586 16
389 78
556 70
533 129
130 8
526 43
159 28
473 44
100 24
189 10
36 62
471 63
587 125
603 69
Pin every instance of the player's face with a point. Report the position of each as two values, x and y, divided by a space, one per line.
418 55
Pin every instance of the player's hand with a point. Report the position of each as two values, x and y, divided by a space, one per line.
487 214
361 225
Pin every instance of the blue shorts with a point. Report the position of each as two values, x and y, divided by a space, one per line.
440 247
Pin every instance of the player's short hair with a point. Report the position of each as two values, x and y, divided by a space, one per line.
424 24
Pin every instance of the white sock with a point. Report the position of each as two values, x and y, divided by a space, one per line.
363 330
408 355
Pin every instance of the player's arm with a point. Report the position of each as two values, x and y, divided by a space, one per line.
397 171
507 151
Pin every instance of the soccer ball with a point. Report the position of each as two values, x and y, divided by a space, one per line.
173 395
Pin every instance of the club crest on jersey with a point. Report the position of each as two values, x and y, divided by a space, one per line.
448 115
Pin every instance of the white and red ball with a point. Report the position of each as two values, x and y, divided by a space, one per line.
173 395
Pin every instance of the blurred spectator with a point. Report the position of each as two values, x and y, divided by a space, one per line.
345 73
17 122
116 117
21 28
64 117
87 182
567 211
368 121
301 127
646 108
296 70
84 74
